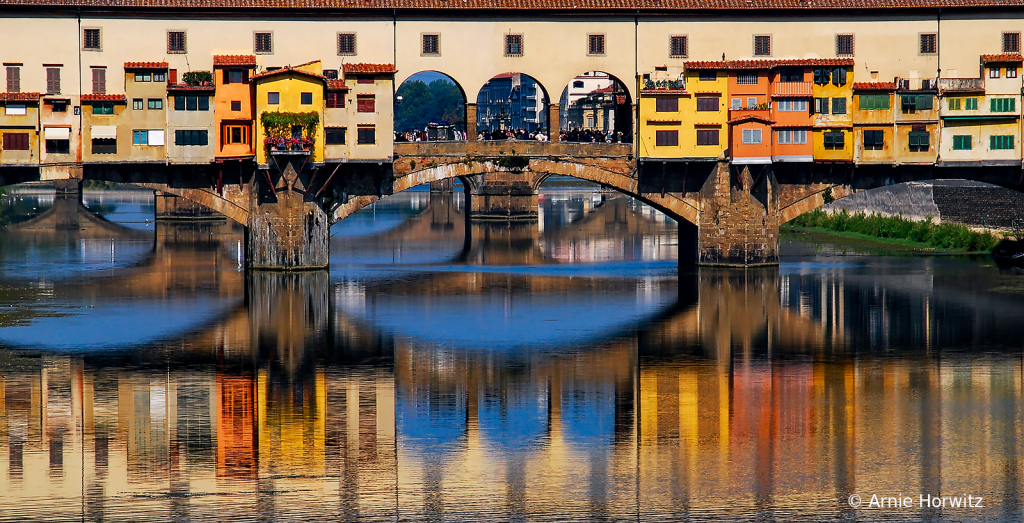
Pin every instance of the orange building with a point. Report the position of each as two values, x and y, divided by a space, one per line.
750 133
233 107
791 98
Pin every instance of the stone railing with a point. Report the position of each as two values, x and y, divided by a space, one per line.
962 84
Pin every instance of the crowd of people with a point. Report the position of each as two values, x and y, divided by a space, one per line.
511 135
423 136
594 136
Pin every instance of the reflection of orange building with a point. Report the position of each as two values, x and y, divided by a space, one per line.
236 427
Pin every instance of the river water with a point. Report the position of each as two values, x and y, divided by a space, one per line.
566 370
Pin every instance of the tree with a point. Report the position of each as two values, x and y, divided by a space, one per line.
440 101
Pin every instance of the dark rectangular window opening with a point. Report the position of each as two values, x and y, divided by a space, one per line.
59 106
13 79
365 104
176 42
929 43
513 45
306 98
346 44
918 139
844 45
666 104
236 105
677 47
52 80
104 146
874 140
366 135
791 74
595 44
708 76
91 39
834 140
707 137
58 146
335 99
264 43
15 142
707 103
334 136
1011 42
667 138
431 44
762 45
191 137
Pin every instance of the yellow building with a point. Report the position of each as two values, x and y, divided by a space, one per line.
19 119
291 100
683 120
832 89
980 117
873 122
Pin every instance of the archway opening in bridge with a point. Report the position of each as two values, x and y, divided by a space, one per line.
512 105
595 107
430 106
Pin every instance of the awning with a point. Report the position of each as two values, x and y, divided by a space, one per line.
57 133
104 131
156 137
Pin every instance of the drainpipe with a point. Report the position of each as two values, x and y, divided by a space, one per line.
636 76
81 110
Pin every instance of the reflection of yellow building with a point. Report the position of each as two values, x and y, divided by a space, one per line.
291 427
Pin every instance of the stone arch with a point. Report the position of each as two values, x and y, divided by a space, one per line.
672 205
229 206
427 80
491 103
579 101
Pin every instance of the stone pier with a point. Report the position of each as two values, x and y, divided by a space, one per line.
284 230
70 186
738 220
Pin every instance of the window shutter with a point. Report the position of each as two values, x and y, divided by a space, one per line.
52 80
226 78
99 81
14 79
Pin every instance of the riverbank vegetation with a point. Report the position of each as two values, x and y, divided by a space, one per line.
946 236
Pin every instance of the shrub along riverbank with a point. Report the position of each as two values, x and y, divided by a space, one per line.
949 236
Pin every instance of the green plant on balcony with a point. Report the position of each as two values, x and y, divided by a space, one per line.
198 78
278 127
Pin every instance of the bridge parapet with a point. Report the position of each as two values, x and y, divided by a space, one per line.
498 148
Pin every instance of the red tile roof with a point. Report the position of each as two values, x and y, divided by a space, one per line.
566 5
874 86
187 87
287 69
708 124
751 117
655 92
503 76
224 60
770 64
19 97
361 68
1004 58
144 65
103 98
336 85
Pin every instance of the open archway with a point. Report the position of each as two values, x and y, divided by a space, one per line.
595 107
512 105
430 106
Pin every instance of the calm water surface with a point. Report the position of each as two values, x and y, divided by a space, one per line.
449 371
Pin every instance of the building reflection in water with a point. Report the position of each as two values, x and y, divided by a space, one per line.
759 394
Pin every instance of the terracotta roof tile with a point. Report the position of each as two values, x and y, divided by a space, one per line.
19 97
288 69
336 85
187 87
144 65
751 117
1004 58
361 68
874 86
708 124
103 98
503 76
565 5
224 60
656 92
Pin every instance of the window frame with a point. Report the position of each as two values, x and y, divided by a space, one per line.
328 131
1015 37
934 43
971 103
436 44
768 39
303 97
962 142
839 50
746 76
666 138
184 41
842 104
672 48
256 40
138 104
709 132
140 137
106 108
1001 142
366 100
13 80
359 134
99 39
158 106
336 96
917 147
759 140
341 34
513 39
273 98
831 143
593 38
880 145
195 135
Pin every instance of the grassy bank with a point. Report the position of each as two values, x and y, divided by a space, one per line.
946 236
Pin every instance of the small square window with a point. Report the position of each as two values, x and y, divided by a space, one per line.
708 76
91 40
431 45
366 135
1011 72
762 45
273 98
346 44
334 136
595 44
138 104
306 98
156 103
1011 42
236 105
929 43
513 45
331 74
993 72
263 43
59 106
175 42
844 45
365 104
677 47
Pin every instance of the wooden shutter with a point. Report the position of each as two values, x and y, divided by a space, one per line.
99 81
52 80
14 79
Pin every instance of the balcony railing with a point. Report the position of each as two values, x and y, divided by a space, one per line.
961 85
801 89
